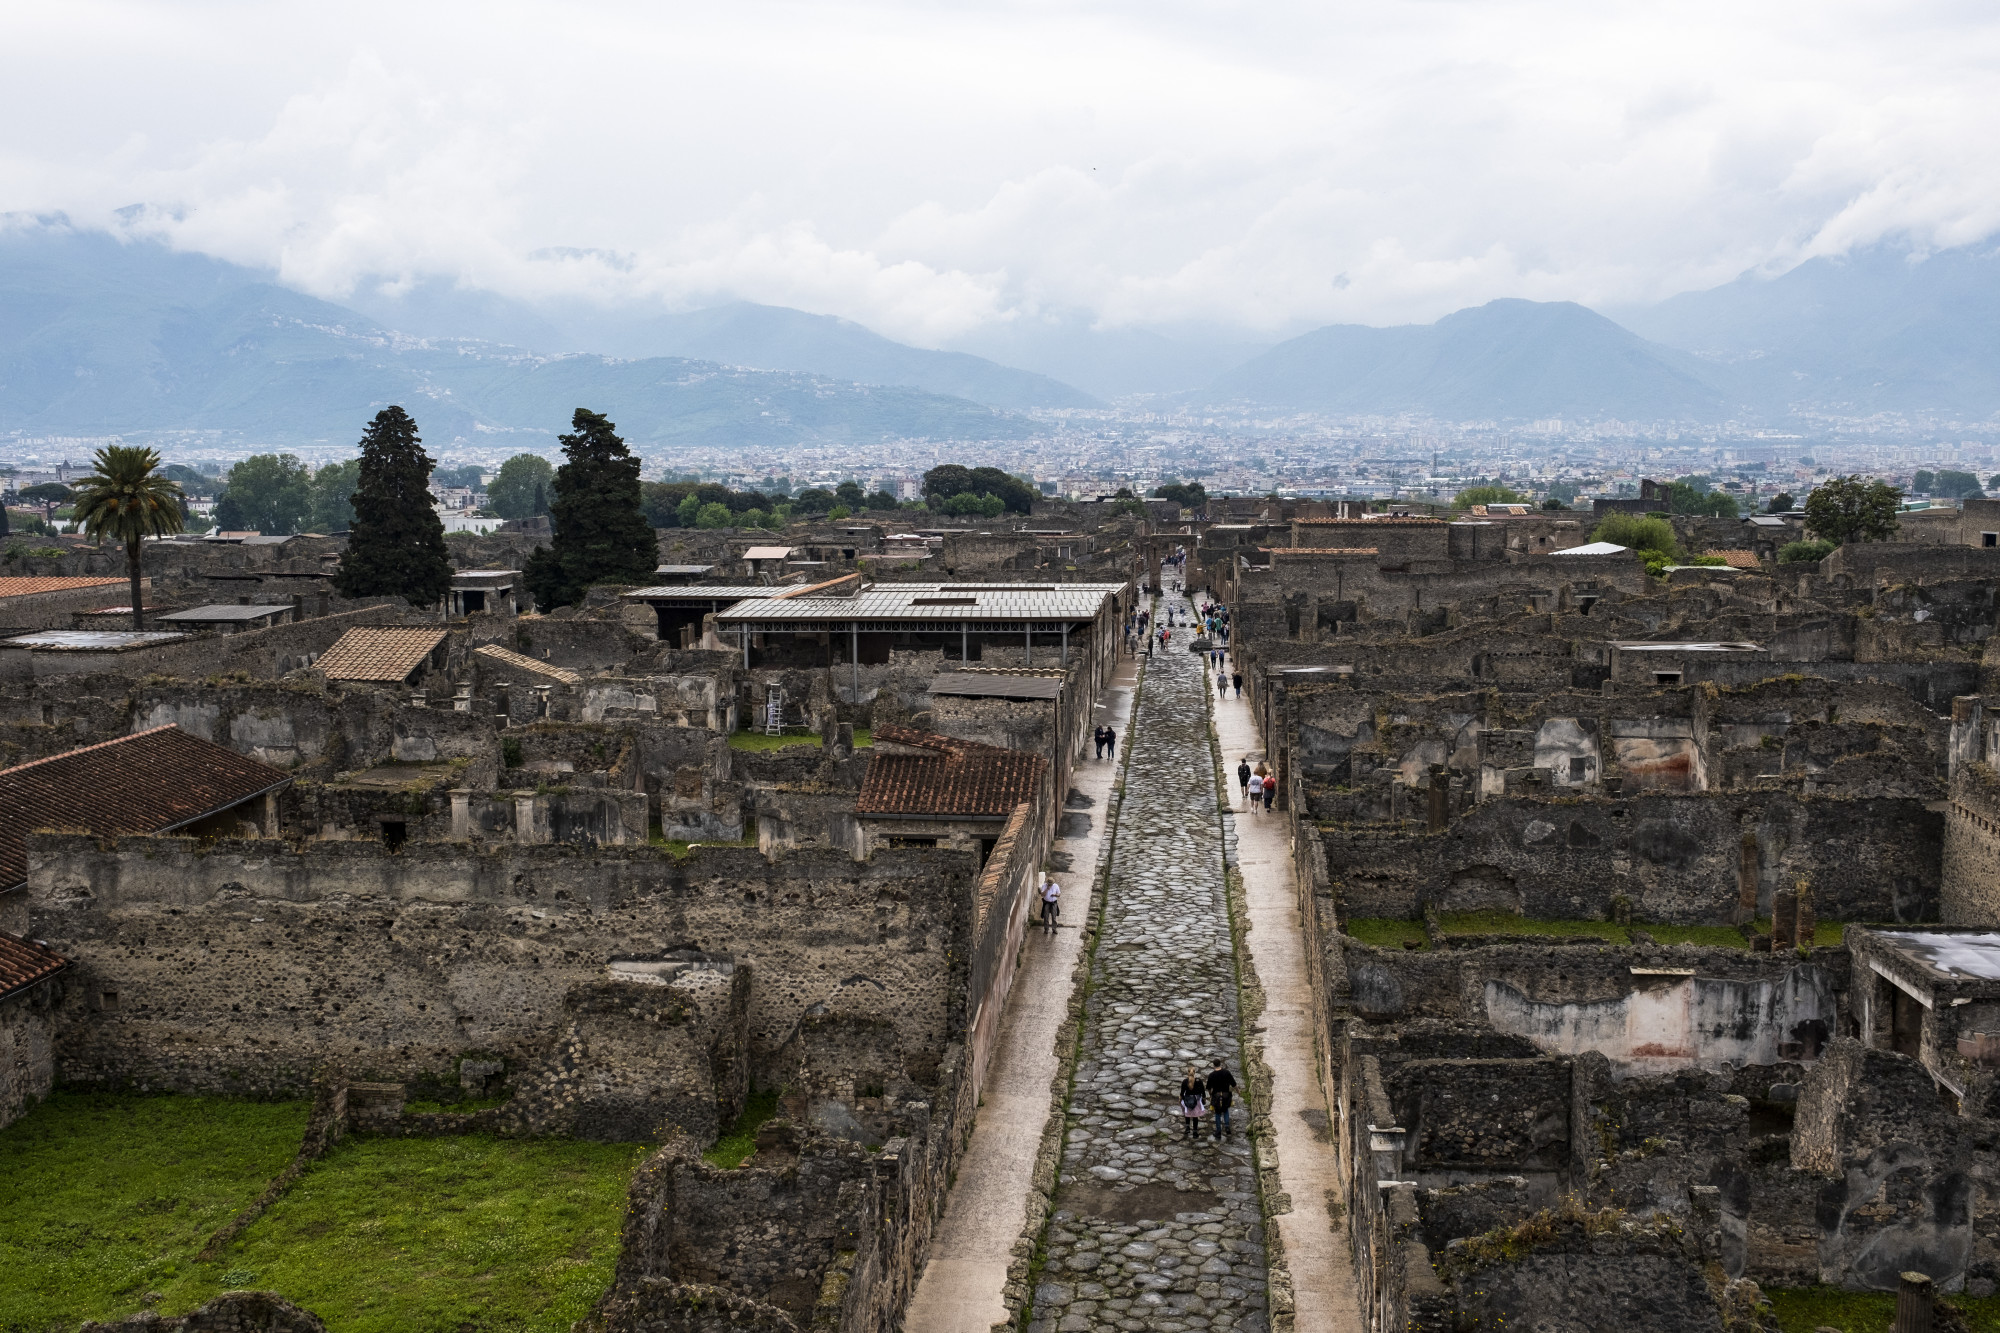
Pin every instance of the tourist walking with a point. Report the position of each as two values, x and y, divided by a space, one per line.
1270 789
1051 904
1098 736
1236 679
1256 792
1111 744
1221 1093
1194 1102
1243 776
1221 686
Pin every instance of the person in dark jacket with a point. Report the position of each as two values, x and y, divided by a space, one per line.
1221 1093
1243 777
1193 1102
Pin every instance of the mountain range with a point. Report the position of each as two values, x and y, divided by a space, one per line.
101 335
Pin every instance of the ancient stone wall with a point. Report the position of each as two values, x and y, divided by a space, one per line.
240 966
27 1049
1969 889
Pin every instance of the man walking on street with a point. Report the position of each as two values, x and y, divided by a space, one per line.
1221 1092
1111 744
1098 736
1243 776
1236 679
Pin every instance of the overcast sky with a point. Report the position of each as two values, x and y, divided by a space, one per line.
930 168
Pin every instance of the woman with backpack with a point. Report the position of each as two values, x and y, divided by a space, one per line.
1193 1102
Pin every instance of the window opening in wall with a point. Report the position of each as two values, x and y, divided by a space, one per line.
48 715
395 833
108 1001
986 846
1666 677
474 602
1579 770
1989 539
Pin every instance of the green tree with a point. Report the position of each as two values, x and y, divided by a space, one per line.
465 477
1957 485
1850 509
600 534
1921 483
48 495
1781 503
713 515
333 496
1189 495
881 500
269 493
192 482
1791 552
128 500
941 483
689 511
1486 495
1638 532
396 546
814 500
512 491
850 494
839 512
981 506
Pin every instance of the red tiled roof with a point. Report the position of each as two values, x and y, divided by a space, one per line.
24 962
148 782
957 778
389 654
23 587
1737 559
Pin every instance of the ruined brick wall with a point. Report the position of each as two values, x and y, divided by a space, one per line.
239 967
27 1049
1969 891
1675 857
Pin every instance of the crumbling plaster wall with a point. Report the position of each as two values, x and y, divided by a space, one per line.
27 1049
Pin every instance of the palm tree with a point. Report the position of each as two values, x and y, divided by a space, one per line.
128 500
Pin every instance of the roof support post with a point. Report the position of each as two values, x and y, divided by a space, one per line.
964 639
744 634
854 658
1028 641
1065 655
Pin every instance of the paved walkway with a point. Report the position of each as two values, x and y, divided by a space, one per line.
961 1288
1153 1231
1316 1249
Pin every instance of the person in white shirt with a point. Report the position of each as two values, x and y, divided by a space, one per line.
1256 790
1051 903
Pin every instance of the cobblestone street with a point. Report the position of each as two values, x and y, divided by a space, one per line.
1153 1231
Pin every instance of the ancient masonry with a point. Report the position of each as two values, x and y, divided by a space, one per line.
1152 1231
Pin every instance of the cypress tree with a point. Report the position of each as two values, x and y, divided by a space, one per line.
396 545
601 535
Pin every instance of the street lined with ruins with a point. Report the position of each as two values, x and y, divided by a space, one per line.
1153 1230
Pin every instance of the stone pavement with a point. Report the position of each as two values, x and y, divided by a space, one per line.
1153 1232
962 1285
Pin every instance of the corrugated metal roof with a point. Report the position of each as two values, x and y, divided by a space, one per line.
767 552
93 640
148 782
226 611
934 603
683 569
386 654
953 684
695 592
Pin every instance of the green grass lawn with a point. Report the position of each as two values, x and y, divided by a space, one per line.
757 740
1391 933
739 1141
105 1198
1803 1309
436 1235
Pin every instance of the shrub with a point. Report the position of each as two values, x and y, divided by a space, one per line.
1641 534
1793 552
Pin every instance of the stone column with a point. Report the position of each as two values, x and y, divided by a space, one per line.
270 814
1808 919
1784 920
461 815
1913 1304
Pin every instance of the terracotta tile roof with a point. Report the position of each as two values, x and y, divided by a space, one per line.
24 962
378 654
1739 559
957 778
23 587
522 662
148 782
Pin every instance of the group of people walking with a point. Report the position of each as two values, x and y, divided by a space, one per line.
1257 784
1107 743
1211 1096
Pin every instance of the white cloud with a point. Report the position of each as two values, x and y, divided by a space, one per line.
928 168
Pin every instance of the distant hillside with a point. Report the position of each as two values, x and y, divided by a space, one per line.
1112 363
100 337
1506 359
1878 330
